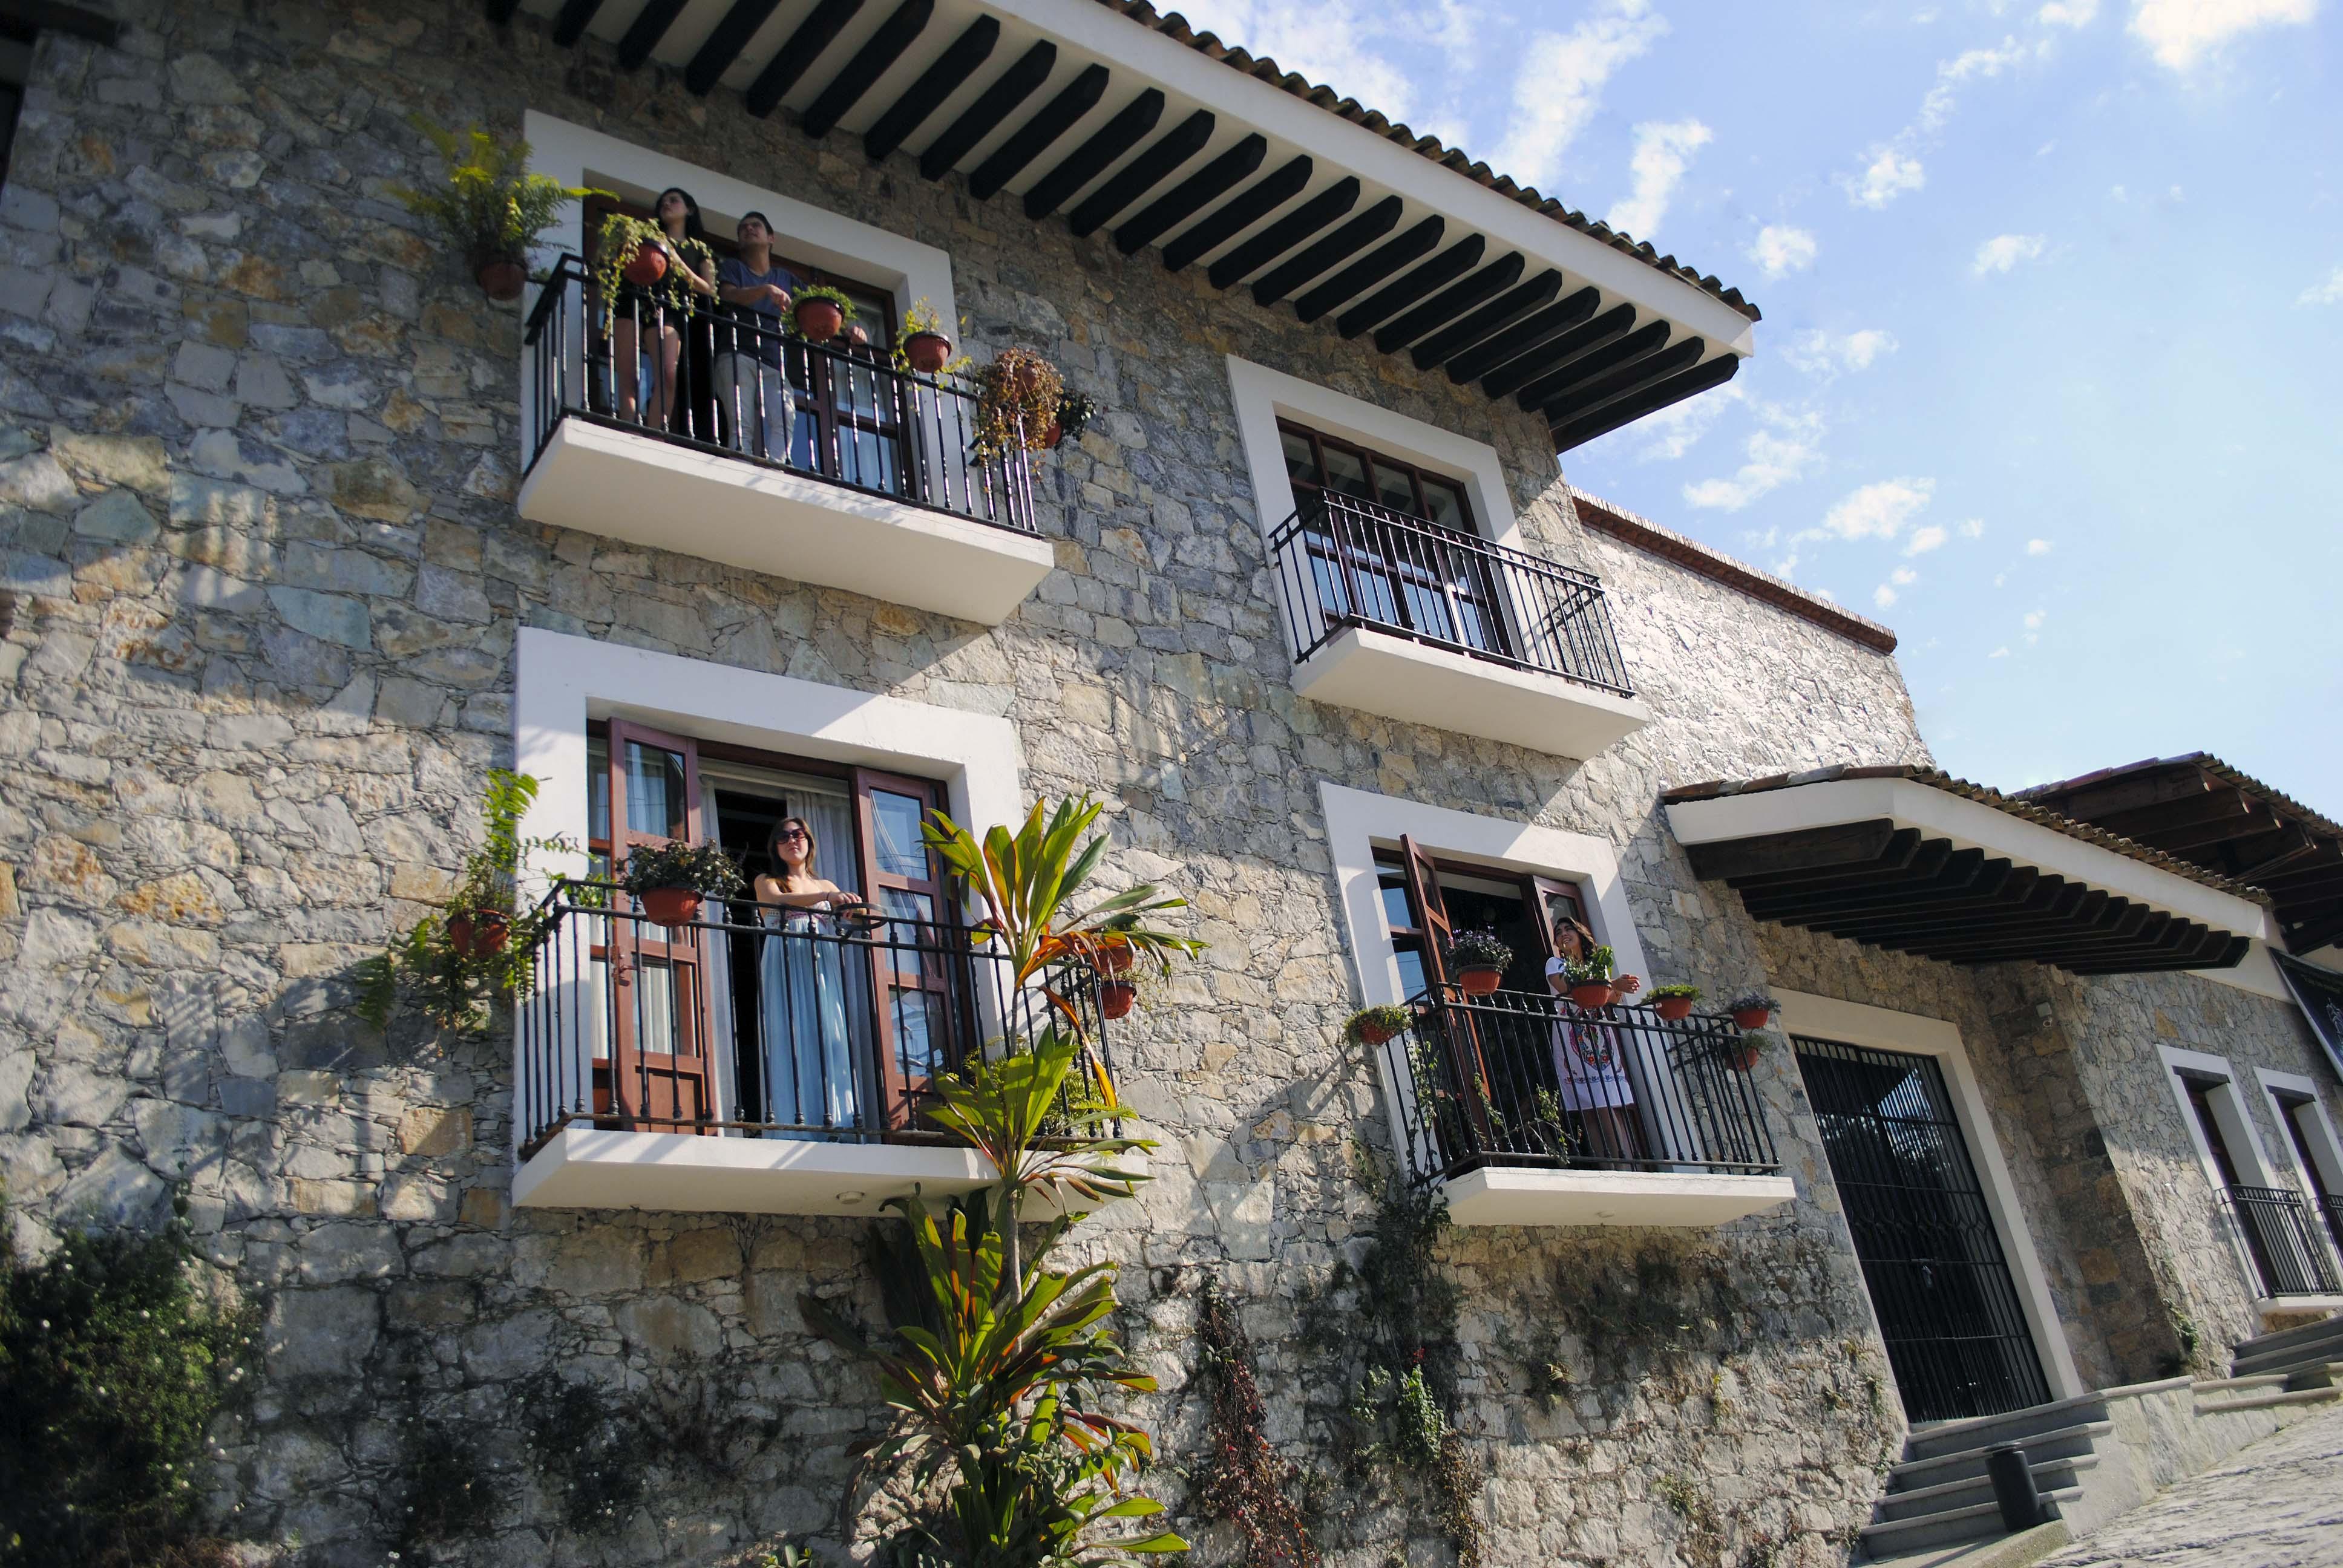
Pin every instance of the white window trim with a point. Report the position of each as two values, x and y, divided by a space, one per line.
560 681
1854 1023
2325 1148
2228 1102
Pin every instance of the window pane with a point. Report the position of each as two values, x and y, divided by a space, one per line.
598 788
895 823
1346 471
1443 503
919 1034
655 1017
1396 912
913 918
1411 972
1395 488
1301 464
655 794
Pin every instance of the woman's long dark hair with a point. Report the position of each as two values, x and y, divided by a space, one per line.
774 846
692 228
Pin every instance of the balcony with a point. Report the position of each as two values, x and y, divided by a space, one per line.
827 465
2291 1264
1528 1110
729 1065
1397 616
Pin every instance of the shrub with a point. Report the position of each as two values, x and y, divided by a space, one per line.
489 207
1478 949
1673 992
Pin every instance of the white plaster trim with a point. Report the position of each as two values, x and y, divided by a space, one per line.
559 681
1855 1023
2325 1149
2256 972
2236 1131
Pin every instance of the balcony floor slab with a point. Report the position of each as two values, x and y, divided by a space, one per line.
646 491
1501 1195
1395 677
603 1167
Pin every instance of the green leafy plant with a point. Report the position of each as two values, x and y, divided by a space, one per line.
702 869
114 1358
1387 1018
1075 412
1752 1001
1241 1480
488 205
1595 969
923 317
615 245
1017 396
474 948
1480 949
1675 992
823 291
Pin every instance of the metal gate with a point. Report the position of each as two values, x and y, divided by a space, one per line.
1957 1337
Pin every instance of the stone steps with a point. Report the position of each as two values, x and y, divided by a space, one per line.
2271 1400
2056 1445
2310 1343
2010 1426
1963 1490
1953 1526
2008 1552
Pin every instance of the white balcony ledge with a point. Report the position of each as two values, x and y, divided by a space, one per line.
2268 1307
646 491
1501 1195
1397 677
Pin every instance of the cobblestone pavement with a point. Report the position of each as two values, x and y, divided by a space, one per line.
2276 1503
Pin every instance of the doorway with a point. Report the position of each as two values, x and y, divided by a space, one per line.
1933 1262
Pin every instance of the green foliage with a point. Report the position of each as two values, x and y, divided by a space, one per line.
1017 396
1478 949
1243 1480
596 1453
452 1495
825 292
1595 969
490 208
614 245
1075 412
113 1363
1389 1017
923 317
1671 992
703 868
454 985
1751 1000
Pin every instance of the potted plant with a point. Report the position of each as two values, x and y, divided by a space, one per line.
1480 960
822 312
1741 1053
1116 997
630 248
668 881
1751 1010
924 347
1673 1003
1075 411
1017 398
1374 1026
489 208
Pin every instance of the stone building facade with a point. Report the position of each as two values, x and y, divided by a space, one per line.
265 587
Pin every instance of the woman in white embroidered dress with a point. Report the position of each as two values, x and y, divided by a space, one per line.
809 1075
1589 1072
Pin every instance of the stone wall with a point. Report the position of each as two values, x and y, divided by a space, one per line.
263 575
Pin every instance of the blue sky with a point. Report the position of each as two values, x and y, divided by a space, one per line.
2049 376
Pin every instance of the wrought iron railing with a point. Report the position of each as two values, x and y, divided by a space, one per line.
819 1027
1343 562
837 412
2283 1241
2331 1208
1516 1078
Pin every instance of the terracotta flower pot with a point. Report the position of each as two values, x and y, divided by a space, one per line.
928 352
1594 994
502 277
1375 1034
670 906
478 933
1023 380
1480 980
1673 1008
1747 1017
1054 435
1114 960
819 320
1117 998
1742 1057
646 266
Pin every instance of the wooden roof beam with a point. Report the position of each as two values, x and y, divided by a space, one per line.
1144 173
1643 340
1691 383
1492 318
1239 212
1451 302
999 100
1419 240
1539 326
816 33
1937 868
575 18
1209 184
1329 252
1438 273
643 33
1515 374
1597 393
1851 844
724 44
1286 233
1089 160
941 80
2146 787
1032 139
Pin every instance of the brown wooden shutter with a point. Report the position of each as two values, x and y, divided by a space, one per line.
918 1000
658 1074
1430 915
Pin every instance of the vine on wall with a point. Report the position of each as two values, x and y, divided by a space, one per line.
1242 1481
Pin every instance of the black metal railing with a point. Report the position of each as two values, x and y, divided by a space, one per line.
2331 1209
2283 1241
706 378
818 1027
1516 1078
1344 562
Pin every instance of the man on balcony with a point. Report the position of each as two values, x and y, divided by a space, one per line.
751 383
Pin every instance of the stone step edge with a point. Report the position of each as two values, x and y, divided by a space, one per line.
2301 1333
2017 1550
2213 1385
2293 1358
1970 1483
2266 1400
1986 1514
2085 1431
1934 1429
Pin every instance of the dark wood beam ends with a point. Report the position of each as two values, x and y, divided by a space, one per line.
1966 881
1360 276
1515 374
1438 273
1144 173
1493 317
815 34
2229 955
2151 929
1451 302
643 33
1287 232
1540 327
2051 905
2266 853
1032 138
1852 844
1239 212
2316 932
1329 252
1715 372
870 61
994 104
1597 393
1921 867
723 45
1903 848
939 81
1643 340
1184 200
1089 160
2096 802
576 16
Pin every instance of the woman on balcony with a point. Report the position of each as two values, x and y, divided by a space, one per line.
658 316
1589 1066
810 1068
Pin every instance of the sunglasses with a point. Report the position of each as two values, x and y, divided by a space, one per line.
792 833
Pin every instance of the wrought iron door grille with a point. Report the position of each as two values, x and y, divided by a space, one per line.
2282 1239
1932 1259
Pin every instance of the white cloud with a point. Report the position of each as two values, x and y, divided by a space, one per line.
2005 251
2075 13
1778 454
2002 652
1678 427
1971 64
2329 292
1923 540
1779 248
2038 547
1973 529
1877 511
1331 40
2182 32
2034 618
1559 82
1663 150
1883 595
1903 577
1888 175
1827 354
